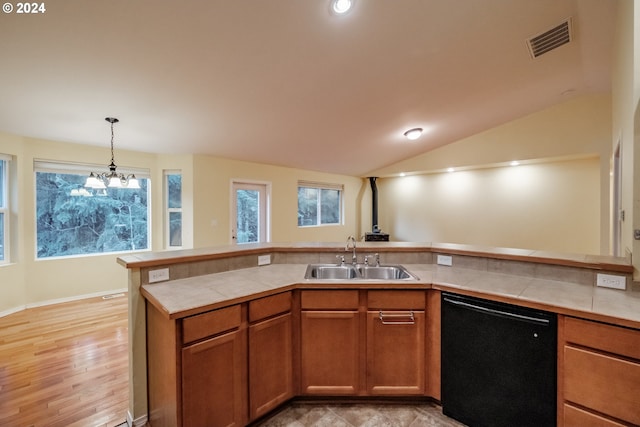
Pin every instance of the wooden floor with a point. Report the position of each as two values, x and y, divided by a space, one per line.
65 365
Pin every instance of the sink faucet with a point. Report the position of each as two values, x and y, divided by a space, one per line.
352 241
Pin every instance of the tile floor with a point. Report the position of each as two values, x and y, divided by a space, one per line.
299 414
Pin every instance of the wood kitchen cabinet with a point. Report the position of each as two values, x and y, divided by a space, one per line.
330 331
197 369
214 375
599 374
396 343
270 353
214 383
233 365
368 342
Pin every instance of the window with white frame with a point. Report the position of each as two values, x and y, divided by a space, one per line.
173 217
4 208
72 220
319 204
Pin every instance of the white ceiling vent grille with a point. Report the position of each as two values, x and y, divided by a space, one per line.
550 39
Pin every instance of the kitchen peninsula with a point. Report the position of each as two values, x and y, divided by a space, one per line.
220 305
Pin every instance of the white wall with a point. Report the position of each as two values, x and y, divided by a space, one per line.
577 128
626 120
622 112
206 194
551 206
212 198
27 281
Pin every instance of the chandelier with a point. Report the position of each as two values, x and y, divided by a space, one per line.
111 179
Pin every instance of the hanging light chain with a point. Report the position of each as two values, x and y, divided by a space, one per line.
112 120
113 179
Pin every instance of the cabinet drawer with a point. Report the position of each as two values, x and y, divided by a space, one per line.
577 417
396 300
604 383
612 339
329 300
270 306
210 323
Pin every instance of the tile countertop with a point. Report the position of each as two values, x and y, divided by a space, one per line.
151 259
185 297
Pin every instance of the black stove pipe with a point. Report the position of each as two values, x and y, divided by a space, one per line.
374 204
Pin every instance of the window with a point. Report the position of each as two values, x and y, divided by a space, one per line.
4 209
73 220
319 204
173 196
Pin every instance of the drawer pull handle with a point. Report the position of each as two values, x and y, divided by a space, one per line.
397 318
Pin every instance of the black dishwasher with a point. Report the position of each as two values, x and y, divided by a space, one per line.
498 363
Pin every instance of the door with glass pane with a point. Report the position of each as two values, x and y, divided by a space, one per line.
249 218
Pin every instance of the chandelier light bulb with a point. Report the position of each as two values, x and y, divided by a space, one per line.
113 179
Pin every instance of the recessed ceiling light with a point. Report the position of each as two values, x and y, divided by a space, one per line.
413 133
515 163
450 169
403 174
341 6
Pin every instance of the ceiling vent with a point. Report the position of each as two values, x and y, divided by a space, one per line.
550 39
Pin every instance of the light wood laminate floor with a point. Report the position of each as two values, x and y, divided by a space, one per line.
65 365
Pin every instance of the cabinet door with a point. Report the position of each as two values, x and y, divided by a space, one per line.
395 352
330 349
599 373
214 382
270 367
602 382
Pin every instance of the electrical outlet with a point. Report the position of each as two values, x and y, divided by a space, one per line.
158 275
611 281
445 260
264 259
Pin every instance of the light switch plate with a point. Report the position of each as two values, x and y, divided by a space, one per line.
158 275
445 260
264 259
611 281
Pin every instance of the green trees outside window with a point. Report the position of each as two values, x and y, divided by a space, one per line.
86 221
174 208
4 214
319 206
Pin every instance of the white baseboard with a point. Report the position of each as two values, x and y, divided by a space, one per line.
12 310
138 422
61 300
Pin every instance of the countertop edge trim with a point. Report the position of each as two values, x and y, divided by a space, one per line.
588 315
135 261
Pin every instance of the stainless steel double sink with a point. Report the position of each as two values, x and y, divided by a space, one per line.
357 272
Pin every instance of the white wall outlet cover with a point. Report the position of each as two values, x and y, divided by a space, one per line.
445 260
611 281
158 275
264 259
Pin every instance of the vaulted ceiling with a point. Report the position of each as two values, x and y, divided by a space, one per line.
286 82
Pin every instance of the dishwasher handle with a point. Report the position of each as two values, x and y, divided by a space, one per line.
493 311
